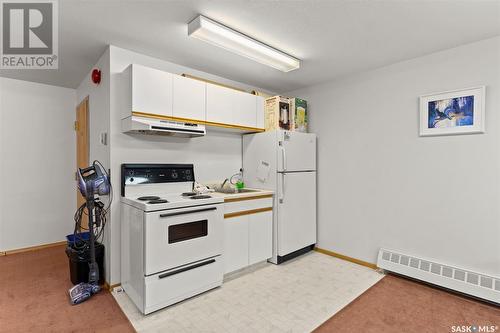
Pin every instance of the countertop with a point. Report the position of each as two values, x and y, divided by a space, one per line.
243 196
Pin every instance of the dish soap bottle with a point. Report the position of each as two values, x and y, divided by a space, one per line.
237 180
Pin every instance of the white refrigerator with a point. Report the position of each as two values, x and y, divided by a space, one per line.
285 162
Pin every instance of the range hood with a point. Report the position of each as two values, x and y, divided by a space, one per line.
143 125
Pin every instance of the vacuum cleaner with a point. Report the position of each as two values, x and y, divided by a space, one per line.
92 183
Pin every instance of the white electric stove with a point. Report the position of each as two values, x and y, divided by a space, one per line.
172 238
162 201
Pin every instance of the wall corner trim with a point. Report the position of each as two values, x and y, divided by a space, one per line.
33 248
346 258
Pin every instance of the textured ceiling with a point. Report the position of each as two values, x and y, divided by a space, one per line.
333 38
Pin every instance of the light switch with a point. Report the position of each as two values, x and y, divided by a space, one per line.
104 139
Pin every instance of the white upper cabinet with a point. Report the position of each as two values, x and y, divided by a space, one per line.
219 104
233 107
151 90
244 109
158 93
189 98
260 111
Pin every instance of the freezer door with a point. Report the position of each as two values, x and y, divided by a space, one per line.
296 211
297 151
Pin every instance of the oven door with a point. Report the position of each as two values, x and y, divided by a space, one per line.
177 237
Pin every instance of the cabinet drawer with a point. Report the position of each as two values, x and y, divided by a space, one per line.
163 289
245 205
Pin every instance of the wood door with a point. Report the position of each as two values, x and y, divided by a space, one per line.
82 146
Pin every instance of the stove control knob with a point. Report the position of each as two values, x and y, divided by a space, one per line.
174 175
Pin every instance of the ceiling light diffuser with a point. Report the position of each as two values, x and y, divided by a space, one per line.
218 34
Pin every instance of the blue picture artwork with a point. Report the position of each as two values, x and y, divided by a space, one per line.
451 112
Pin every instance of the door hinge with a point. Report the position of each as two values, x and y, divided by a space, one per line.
75 126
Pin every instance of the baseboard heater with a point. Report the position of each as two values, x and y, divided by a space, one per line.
454 278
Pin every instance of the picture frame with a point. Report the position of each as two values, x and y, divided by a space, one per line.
453 112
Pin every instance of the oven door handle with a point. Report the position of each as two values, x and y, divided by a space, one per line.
188 212
185 269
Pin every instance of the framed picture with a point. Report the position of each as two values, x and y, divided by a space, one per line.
453 112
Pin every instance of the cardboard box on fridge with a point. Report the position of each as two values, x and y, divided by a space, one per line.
298 108
277 113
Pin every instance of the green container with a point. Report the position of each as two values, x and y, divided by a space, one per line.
299 114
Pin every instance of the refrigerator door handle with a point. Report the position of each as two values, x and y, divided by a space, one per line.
282 198
283 157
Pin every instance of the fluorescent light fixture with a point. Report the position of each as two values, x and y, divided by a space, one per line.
217 34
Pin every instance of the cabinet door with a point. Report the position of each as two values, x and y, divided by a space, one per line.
151 91
219 104
235 243
189 98
260 111
260 237
244 109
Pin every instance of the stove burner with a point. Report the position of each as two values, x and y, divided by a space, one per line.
147 198
201 196
188 194
157 201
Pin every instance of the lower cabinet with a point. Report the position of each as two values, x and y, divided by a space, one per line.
260 237
235 243
247 240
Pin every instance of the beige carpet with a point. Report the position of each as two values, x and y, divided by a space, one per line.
34 297
396 304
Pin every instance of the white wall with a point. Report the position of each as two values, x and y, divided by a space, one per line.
37 162
98 109
381 185
215 156
98 96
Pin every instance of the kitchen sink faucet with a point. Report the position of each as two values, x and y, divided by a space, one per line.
224 183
